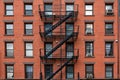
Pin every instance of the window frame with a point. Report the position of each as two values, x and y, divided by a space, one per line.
92 10
86 42
69 43
112 31
25 10
69 72
6 4
110 65
48 12
25 30
26 70
92 32
6 54
66 30
6 30
29 42
49 34
9 72
86 72
109 4
51 66
110 42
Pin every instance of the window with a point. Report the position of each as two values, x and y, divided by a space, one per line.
109 9
28 9
9 9
47 26
28 28
109 28
28 49
28 71
69 8
89 49
9 49
48 70
70 50
89 28
48 9
89 71
9 71
69 28
48 47
9 29
108 49
88 9
70 72
109 70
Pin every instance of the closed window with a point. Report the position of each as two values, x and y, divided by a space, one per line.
108 49
48 9
109 9
9 29
109 70
89 68
69 28
48 47
89 28
69 50
28 71
48 26
28 49
9 49
88 9
28 9
48 70
28 28
9 71
9 9
89 49
69 8
109 28
70 72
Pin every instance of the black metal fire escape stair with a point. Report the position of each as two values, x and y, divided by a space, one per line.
51 76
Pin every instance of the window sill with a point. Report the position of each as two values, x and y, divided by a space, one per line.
9 15
109 15
109 35
28 35
89 15
89 35
109 57
28 57
28 15
9 57
89 56
8 35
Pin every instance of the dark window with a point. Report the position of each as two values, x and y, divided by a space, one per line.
28 9
9 49
9 28
89 28
89 9
48 70
89 71
28 71
109 28
109 9
69 8
108 48
9 9
70 72
28 49
47 26
69 28
109 70
28 28
9 71
48 9
48 47
70 50
89 49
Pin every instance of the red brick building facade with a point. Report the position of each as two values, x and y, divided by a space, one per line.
59 39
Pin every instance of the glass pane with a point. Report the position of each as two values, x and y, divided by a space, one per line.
28 7
29 46
109 74
9 26
9 45
9 12
70 75
69 29
29 69
28 26
9 7
48 7
9 52
29 52
9 32
69 7
88 7
88 13
108 7
9 69
10 75
28 12
29 32
89 68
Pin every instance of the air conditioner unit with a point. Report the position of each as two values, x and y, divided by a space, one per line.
109 11
89 75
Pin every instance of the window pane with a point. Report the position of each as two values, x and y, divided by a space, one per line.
10 71
9 26
9 7
28 12
89 28
69 7
109 71
29 46
9 45
29 71
29 52
28 26
88 13
108 7
48 70
88 7
9 12
28 7
48 7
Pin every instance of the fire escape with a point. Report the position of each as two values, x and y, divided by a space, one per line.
57 33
